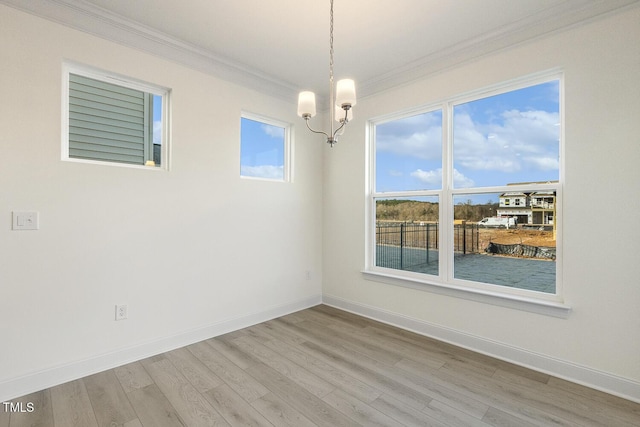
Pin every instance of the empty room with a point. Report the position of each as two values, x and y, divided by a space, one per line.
303 212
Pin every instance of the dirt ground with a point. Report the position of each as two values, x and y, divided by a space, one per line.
512 237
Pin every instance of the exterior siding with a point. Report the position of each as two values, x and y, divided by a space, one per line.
106 121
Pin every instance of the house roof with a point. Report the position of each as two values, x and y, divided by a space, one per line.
544 193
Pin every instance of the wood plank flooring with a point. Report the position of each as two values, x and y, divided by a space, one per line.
321 367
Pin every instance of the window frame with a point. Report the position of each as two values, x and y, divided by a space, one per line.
90 72
445 282
287 148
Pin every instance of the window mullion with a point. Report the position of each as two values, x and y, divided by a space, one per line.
148 127
446 197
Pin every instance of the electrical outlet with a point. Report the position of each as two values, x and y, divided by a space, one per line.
121 312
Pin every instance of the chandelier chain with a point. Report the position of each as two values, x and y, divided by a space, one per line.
331 42
307 103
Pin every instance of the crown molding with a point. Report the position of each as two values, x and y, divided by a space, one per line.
559 18
91 19
88 18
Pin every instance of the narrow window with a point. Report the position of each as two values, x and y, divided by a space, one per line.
110 119
264 147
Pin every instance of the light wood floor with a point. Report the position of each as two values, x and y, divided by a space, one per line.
322 367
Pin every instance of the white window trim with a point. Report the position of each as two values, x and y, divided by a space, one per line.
445 283
70 67
548 308
287 149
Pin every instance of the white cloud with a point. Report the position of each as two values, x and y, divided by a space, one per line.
273 131
157 132
263 171
489 162
523 144
543 163
418 136
515 141
522 140
433 178
461 181
423 145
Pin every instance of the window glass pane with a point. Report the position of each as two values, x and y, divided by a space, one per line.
508 138
407 234
262 149
157 130
113 123
506 244
409 153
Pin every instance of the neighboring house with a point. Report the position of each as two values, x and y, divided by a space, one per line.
543 207
530 208
515 204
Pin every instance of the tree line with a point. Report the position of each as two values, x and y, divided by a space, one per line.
412 210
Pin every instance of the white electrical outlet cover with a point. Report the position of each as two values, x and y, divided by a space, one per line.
121 312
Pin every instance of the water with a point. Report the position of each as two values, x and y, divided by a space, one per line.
522 273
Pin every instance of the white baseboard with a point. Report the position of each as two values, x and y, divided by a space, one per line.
40 380
583 375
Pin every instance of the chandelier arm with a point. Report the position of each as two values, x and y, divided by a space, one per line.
343 123
339 129
308 102
306 121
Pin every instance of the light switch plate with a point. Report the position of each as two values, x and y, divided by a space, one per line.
25 220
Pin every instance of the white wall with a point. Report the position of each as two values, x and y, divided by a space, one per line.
599 342
195 223
193 252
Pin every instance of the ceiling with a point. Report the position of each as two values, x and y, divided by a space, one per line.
282 46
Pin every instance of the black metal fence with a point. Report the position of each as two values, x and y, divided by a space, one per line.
405 246
466 238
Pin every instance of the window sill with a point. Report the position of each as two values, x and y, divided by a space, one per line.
548 308
260 178
116 164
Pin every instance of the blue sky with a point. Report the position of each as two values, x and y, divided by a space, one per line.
261 150
507 138
157 119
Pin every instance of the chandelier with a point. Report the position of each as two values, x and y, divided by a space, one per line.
341 99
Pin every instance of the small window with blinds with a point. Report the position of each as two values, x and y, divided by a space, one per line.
115 120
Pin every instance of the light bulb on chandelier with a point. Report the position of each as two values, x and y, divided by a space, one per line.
341 98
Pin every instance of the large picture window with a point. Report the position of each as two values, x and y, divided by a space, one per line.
467 193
